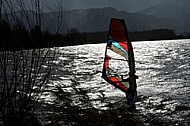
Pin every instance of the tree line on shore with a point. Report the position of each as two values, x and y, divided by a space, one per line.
18 37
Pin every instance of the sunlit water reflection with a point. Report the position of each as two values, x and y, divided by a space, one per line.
163 68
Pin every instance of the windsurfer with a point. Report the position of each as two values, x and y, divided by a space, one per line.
119 49
131 93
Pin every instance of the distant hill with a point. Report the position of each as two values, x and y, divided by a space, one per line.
171 15
176 14
91 20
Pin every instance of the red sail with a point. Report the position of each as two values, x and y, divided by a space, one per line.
119 59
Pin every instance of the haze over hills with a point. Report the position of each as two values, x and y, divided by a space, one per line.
124 5
169 9
97 19
173 14
177 12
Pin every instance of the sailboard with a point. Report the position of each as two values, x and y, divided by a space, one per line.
119 64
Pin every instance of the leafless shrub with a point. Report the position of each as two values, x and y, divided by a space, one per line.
23 73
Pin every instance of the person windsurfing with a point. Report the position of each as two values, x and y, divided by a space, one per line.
119 51
131 93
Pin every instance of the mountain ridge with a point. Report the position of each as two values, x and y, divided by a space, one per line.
173 10
97 19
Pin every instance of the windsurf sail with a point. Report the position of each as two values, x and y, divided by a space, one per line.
119 65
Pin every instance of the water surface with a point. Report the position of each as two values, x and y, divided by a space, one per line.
163 68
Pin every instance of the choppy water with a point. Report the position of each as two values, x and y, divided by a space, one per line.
163 68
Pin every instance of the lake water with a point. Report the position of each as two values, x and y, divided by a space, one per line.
163 68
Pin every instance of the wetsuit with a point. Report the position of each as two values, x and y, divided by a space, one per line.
131 93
